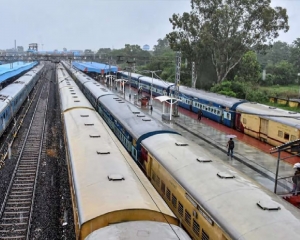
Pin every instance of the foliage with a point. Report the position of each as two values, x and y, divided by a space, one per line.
282 73
224 30
249 69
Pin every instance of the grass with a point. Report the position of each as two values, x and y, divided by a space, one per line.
289 91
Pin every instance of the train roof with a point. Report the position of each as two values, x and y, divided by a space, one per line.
210 96
276 114
139 124
98 160
137 230
156 81
70 94
228 197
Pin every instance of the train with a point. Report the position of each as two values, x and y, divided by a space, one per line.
13 95
111 196
212 199
268 124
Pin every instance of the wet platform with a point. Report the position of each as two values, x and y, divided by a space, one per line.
251 156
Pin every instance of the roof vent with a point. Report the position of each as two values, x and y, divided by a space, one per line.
136 112
203 160
121 102
3 97
292 112
140 115
115 177
76 101
89 124
19 82
84 115
115 98
75 97
146 119
268 205
70 88
73 93
272 107
253 102
225 175
181 144
94 136
99 152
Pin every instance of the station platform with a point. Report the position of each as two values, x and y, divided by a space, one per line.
13 69
94 67
251 156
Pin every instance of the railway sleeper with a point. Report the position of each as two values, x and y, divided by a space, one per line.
13 230
13 237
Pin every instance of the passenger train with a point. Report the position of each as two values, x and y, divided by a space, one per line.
13 95
112 198
269 124
212 199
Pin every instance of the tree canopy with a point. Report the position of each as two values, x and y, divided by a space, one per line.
224 30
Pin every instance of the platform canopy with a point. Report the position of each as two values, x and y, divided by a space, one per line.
13 69
166 98
95 67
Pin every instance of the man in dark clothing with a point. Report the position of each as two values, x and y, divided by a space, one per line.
151 109
230 146
199 114
296 181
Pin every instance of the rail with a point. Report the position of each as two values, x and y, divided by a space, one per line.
17 207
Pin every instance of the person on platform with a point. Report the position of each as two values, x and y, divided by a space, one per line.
296 180
200 114
151 109
230 146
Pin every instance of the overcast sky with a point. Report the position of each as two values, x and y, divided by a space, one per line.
92 24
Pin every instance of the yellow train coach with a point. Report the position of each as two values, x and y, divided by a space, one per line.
212 199
269 124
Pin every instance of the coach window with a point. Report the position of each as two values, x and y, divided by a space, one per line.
196 228
163 187
280 134
286 136
244 120
168 194
180 209
174 201
293 138
187 217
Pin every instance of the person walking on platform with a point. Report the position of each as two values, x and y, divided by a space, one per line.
296 180
230 146
151 109
200 114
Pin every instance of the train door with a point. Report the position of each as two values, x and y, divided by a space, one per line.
238 123
143 160
263 129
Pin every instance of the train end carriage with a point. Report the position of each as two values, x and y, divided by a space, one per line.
216 107
129 124
268 124
5 112
159 87
212 199
134 77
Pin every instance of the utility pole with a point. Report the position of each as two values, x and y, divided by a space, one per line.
194 75
177 82
130 63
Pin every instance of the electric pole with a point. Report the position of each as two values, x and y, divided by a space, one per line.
177 82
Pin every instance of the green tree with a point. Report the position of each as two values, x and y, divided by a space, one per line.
226 29
249 68
295 55
283 73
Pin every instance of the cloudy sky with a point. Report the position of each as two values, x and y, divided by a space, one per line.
91 24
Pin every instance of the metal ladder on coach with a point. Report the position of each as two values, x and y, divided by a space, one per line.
16 210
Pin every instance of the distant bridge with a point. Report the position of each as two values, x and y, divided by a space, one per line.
28 56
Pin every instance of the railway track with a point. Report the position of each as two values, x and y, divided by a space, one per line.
17 207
